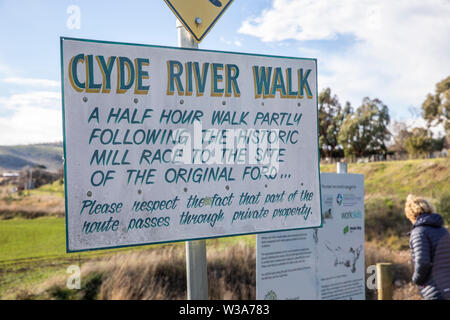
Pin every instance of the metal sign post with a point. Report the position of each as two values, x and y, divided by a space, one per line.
341 167
197 279
196 267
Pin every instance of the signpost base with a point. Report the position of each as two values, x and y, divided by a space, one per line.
341 167
196 272
197 280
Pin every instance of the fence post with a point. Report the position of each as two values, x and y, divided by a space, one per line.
196 266
384 281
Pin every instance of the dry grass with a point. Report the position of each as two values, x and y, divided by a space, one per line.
402 270
137 276
232 272
160 274
157 274
30 204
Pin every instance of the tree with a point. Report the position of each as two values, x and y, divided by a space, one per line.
421 142
400 134
436 107
365 132
331 116
34 177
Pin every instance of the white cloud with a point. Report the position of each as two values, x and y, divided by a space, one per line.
42 83
401 48
31 125
38 99
30 117
236 43
437 131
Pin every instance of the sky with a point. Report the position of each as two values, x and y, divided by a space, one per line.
393 50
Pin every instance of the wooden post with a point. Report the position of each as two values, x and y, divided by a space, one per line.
384 281
196 272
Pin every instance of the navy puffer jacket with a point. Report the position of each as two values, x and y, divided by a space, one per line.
429 239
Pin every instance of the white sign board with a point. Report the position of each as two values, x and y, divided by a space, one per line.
322 263
169 144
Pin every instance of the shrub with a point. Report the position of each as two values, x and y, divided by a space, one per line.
443 207
384 217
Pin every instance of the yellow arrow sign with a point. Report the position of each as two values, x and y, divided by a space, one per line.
198 16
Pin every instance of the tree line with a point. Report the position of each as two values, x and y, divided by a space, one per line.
362 132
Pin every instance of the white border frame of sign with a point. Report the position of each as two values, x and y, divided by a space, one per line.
177 48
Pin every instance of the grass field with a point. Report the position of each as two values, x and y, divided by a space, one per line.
32 246
32 250
428 177
31 238
41 238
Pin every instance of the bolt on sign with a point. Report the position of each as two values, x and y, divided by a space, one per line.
168 144
198 16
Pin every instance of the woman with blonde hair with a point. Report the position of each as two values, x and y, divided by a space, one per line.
430 249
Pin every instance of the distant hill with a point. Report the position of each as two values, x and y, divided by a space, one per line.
17 157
